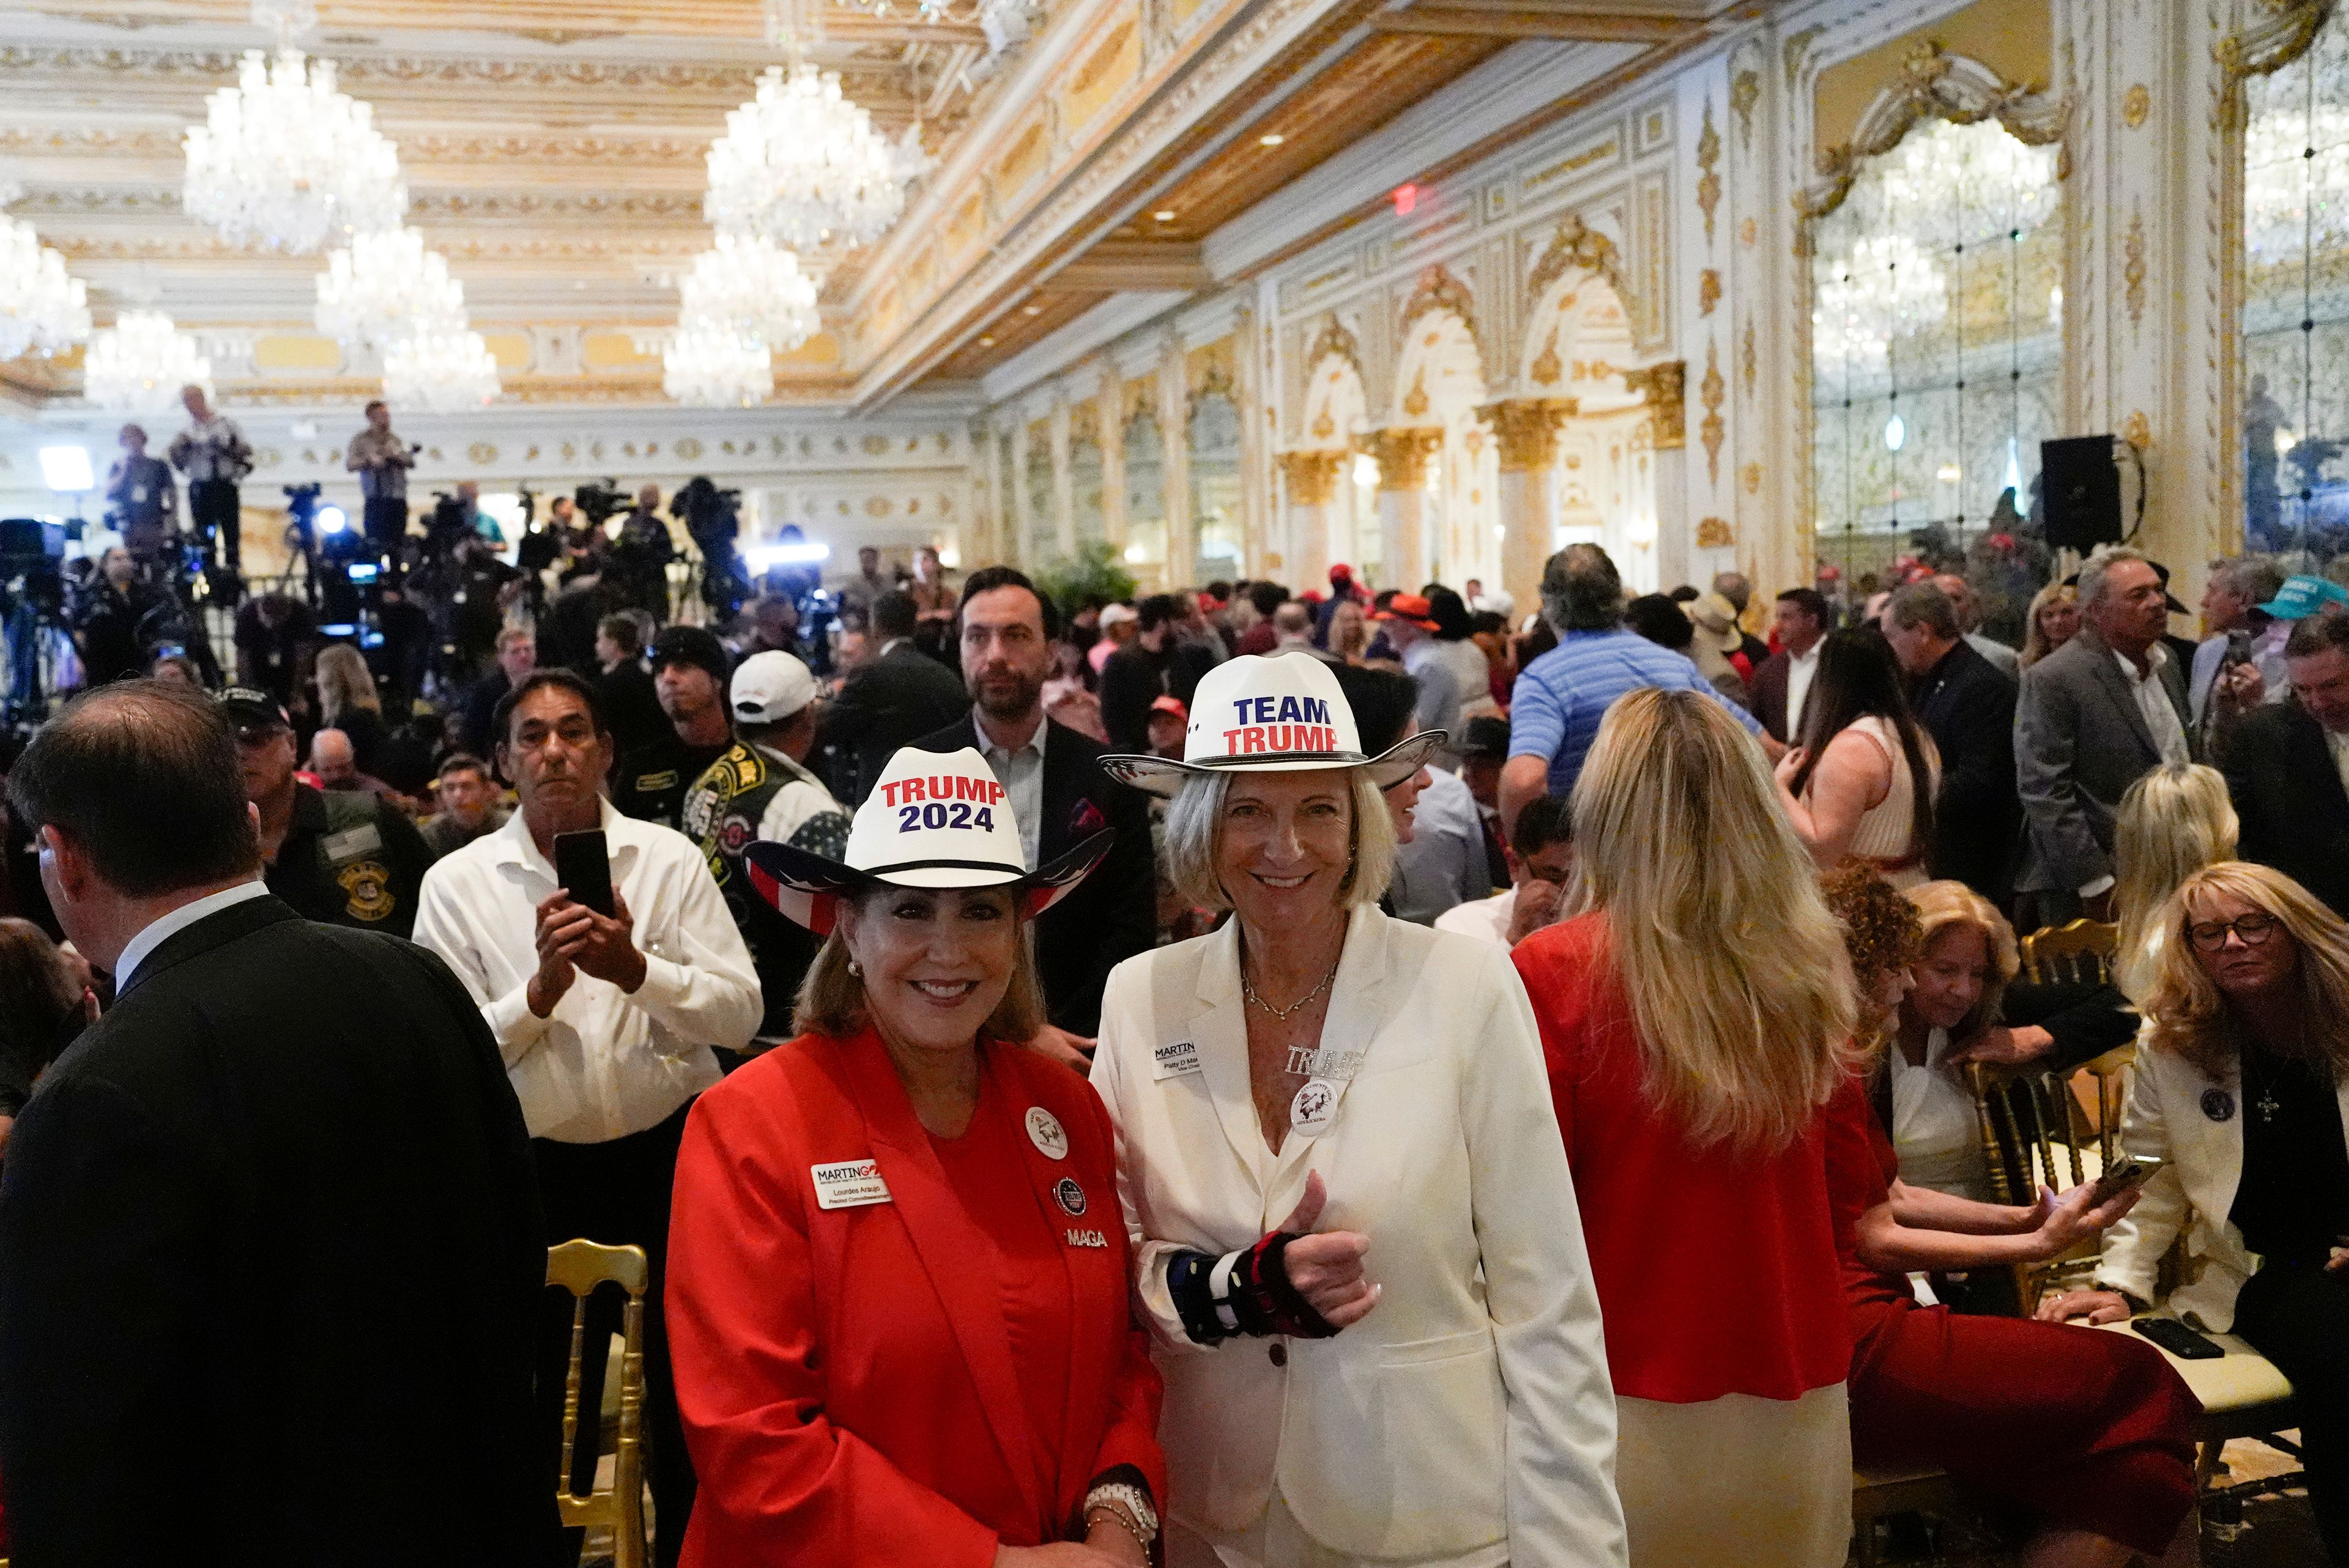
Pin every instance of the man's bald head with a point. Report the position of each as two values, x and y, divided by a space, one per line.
332 760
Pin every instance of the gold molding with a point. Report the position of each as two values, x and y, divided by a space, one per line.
1572 244
1708 162
1401 452
1311 476
1437 289
1333 339
1665 389
1525 429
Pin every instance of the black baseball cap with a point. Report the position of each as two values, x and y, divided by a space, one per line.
1485 737
692 645
253 712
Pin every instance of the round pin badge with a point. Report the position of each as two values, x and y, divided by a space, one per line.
2218 1105
1314 1108
1045 1132
1071 1197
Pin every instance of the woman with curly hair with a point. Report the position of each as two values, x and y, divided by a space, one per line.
2087 1437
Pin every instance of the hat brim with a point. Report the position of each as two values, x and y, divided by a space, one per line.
1164 776
1386 617
807 888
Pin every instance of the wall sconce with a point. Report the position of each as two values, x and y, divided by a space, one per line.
1641 531
1366 471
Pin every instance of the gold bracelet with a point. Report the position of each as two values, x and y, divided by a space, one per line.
1117 1516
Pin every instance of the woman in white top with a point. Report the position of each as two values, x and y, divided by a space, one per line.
1969 958
1358 1244
1859 782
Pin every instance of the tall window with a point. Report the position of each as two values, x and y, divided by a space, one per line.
2296 302
1936 342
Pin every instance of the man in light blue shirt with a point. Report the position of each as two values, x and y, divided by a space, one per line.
1560 698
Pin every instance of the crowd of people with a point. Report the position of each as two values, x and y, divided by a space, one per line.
1233 1078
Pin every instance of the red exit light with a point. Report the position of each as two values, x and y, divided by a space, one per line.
1406 197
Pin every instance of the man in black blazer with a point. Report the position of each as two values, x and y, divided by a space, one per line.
1968 707
1005 631
2284 764
894 698
270 1247
1782 681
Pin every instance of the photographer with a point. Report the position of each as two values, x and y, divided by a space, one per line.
214 453
107 626
142 499
641 555
382 459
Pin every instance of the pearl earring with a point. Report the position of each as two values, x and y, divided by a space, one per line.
856 969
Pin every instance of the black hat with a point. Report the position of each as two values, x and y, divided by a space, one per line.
253 711
693 646
1485 737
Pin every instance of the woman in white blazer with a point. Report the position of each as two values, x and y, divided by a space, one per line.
1357 1242
2242 1091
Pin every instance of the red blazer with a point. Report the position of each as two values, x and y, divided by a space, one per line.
847 1383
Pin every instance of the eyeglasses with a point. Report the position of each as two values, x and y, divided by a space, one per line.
2210 935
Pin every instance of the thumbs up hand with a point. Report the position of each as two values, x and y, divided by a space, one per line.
1326 1267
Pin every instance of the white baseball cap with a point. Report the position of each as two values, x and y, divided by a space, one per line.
771 686
1281 713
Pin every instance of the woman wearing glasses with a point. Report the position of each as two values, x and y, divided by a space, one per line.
2244 1092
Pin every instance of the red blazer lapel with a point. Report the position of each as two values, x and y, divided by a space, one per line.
957 1258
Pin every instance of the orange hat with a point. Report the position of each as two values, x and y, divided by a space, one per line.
1174 704
1408 608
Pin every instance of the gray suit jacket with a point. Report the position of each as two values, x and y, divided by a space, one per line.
2079 744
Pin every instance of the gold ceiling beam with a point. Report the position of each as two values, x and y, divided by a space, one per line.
1136 264
1533 22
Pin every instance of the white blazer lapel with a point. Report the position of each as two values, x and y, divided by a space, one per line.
1358 1007
1219 1030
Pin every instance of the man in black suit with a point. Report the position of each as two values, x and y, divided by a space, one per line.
2287 766
1968 708
1060 796
896 696
270 1240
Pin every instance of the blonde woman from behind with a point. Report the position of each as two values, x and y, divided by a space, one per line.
2173 821
1696 1019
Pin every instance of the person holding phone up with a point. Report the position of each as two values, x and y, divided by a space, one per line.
2242 1088
606 1019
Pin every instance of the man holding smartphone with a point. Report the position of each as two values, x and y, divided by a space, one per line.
607 1023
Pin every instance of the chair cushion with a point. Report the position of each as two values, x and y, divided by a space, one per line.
2237 1384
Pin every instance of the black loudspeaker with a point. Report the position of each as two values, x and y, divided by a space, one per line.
2080 486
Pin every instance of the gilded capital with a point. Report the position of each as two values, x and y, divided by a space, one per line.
1403 452
1526 429
1313 476
1665 387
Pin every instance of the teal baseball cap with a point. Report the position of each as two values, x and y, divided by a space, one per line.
2304 596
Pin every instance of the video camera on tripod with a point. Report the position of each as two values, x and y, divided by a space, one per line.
599 503
712 519
345 567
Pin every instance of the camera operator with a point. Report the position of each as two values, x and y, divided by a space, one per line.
382 459
107 626
641 555
144 499
214 453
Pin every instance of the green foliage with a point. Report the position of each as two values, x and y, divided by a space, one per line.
1094 575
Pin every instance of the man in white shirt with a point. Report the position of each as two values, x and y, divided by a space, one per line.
606 1024
1782 683
1541 860
212 452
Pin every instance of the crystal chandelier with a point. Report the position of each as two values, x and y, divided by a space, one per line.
140 363
803 166
1885 287
286 162
384 286
41 309
751 286
712 368
2293 202
446 372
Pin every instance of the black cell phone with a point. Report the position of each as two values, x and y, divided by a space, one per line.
583 865
2176 1338
2129 1171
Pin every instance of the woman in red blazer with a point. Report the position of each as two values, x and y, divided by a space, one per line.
897 1274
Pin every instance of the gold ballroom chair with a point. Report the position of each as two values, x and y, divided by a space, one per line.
579 1267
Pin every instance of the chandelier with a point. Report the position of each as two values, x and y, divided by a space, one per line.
286 162
40 307
802 165
712 368
443 372
140 363
2292 201
750 287
1885 287
384 286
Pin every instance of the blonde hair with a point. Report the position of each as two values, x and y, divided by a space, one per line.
2187 1015
832 997
1194 826
1943 905
2172 822
345 683
1740 987
2035 641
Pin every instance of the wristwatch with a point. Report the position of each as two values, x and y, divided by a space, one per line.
1133 1501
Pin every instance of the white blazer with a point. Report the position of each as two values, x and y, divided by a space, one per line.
1470 1413
2193 1191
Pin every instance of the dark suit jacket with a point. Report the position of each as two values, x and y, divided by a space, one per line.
1968 707
1114 913
270 1266
2079 744
1769 694
2287 793
889 704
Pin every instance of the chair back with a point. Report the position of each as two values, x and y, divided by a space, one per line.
579 1267
2079 954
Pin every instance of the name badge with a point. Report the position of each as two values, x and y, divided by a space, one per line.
1324 1063
1313 1110
850 1184
138 495
362 839
1087 1239
1176 1060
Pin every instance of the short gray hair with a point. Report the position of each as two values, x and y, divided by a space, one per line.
1923 604
2100 565
1581 591
2253 577
1194 827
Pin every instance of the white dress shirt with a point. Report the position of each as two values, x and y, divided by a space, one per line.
1485 919
163 927
1801 669
2153 703
1021 774
604 1063
2338 741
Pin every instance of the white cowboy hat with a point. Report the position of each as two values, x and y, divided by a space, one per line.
1282 713
935 819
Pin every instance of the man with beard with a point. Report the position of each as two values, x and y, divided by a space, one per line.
690 671
1060 797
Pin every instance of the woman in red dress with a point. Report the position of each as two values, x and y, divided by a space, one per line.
2089 1437
897 1274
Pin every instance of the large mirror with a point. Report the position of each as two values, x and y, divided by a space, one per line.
1215 438
1145 495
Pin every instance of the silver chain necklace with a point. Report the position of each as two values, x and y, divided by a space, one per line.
1282 1015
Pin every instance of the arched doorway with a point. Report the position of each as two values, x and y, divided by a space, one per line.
1603 485
1440 384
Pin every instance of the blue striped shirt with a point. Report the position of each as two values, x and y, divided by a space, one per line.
1559 699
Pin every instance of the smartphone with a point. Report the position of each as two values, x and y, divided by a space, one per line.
584 868
2129 1171
2176 1338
